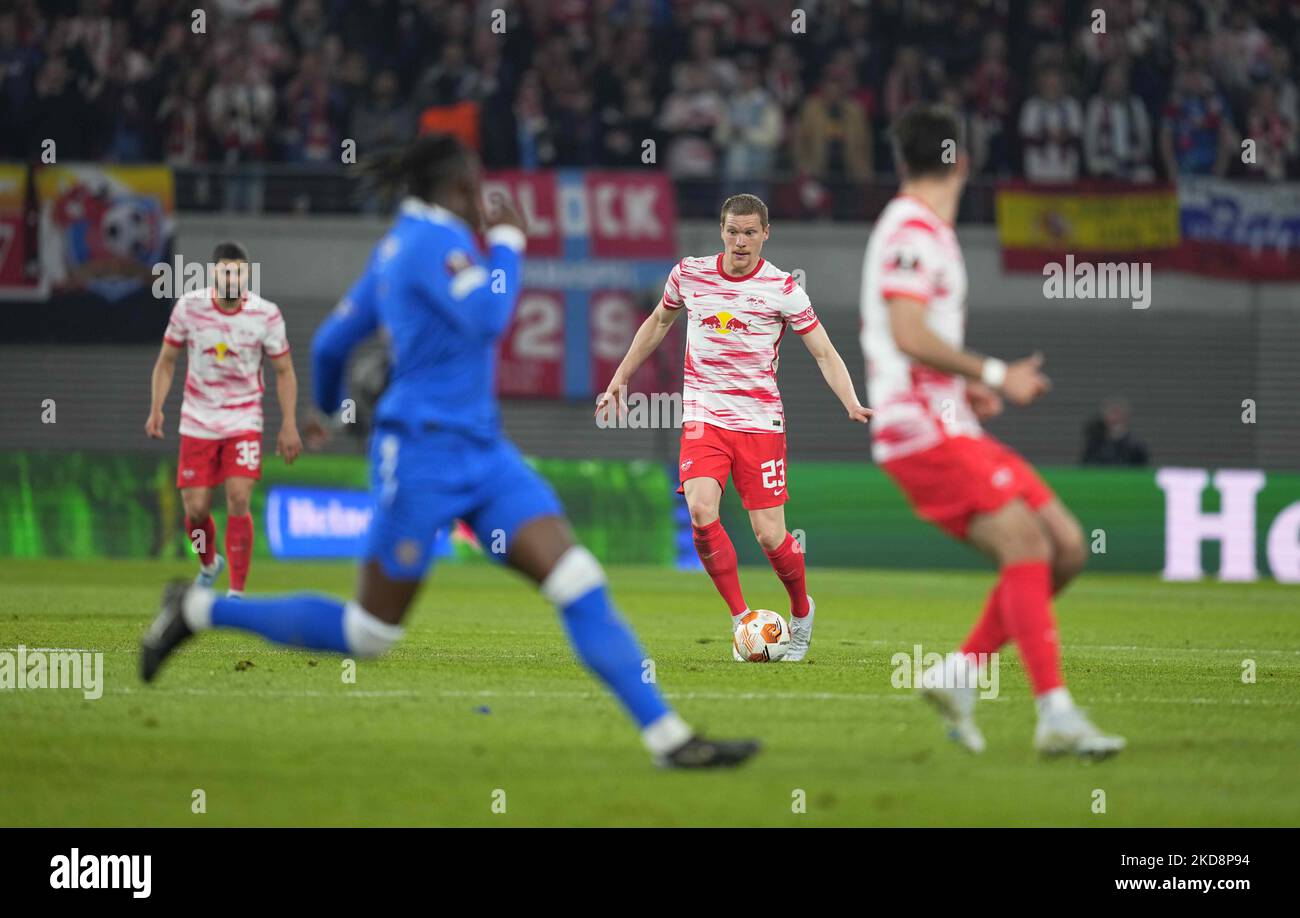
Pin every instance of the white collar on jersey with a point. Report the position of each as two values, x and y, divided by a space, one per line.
414 207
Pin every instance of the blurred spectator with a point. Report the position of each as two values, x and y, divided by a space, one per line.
183 118
990 91
384 121
1117 131
749 134
1197 136
241 106
691 115
628 125
1273 133
571 83
62 113
313 112
833 140
1051 126
534 132
452 79
1107 439
907 81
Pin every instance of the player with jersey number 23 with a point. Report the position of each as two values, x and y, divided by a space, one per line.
738 306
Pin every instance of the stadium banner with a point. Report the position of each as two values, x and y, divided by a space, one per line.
1179 523
101 231
1093 222
117 505
1242 230
600 246
18 276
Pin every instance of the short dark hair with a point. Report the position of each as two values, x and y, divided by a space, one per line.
229 251
744 205
920 137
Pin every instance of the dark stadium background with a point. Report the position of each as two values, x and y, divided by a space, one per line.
580 85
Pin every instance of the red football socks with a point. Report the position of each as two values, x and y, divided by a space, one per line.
239 549
787 561
1025 600
203 535
719 558
989 634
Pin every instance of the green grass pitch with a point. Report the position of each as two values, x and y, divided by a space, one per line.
482 695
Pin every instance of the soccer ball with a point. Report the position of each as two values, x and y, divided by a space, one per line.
761 636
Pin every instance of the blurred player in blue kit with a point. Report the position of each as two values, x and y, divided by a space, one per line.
438 454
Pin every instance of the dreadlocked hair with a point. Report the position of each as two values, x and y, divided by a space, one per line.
422 168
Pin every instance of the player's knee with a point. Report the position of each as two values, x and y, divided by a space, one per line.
197 506
770 538
237 506
365 635
1024 540
1069 556
702 512
575 575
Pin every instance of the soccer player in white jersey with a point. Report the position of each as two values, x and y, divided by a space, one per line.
226 331
929 394
738 306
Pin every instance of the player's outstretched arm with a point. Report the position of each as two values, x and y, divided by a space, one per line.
648 337
288 444
1021 381
164 369
835 372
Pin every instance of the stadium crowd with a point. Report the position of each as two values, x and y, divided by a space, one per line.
728 90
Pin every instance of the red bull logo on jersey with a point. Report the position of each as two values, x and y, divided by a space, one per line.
221 351
724 323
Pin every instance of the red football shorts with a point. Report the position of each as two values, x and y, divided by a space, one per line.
755 460
964 476
207 463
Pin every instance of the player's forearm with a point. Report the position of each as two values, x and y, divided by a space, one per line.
160 384
837 377
505 269
648 337
926 347
286 390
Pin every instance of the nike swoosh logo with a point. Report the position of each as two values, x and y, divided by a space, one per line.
777 492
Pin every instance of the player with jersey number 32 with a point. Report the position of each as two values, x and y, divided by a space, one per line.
738 306
225 330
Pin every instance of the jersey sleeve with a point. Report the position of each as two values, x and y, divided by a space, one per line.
908 263
177 333
353 320
275 340
673 289
476 294
796 308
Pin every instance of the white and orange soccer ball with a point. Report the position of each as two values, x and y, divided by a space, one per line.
761 636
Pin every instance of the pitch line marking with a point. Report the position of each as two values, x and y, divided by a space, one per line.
901 695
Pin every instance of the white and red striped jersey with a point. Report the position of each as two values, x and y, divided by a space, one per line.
734 330
223 379
913 252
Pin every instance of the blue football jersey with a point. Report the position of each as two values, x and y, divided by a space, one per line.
443 306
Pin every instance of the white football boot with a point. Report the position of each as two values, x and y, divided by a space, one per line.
208 575
735 654
1063 728
800 635
954 698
